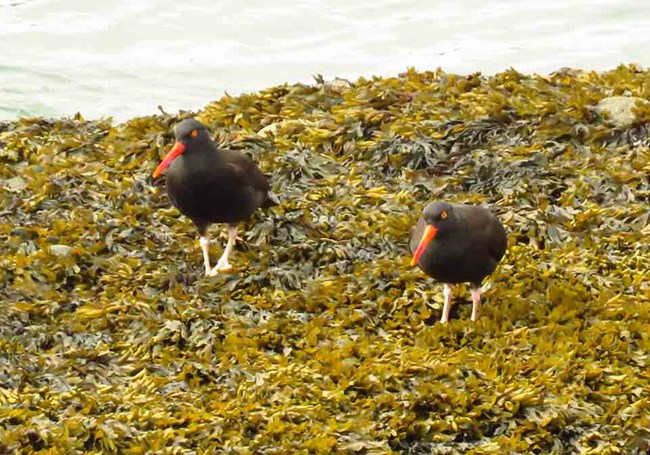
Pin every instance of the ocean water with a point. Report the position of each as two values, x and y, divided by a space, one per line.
123 58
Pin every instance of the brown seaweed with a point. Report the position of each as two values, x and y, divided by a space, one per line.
325 340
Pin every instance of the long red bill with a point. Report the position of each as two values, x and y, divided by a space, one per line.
171 156
429 234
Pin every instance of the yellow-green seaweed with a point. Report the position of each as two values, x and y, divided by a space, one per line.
324 340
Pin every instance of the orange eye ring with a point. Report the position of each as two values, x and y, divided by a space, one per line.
193 134
443 215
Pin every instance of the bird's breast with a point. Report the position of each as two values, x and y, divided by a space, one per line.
453 262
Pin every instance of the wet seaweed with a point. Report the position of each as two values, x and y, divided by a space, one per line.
325 340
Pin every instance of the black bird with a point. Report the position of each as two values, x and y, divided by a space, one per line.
212 185
456 243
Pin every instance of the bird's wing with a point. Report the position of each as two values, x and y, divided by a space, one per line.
246 171
416 235
485 229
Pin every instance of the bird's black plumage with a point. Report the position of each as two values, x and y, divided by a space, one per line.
212 185
468 243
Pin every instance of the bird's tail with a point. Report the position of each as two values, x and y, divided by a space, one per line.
270 200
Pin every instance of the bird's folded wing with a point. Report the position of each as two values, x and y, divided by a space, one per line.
248 173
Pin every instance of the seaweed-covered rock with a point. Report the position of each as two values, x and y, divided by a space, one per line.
324 339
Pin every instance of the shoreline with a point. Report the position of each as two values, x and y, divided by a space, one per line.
315 77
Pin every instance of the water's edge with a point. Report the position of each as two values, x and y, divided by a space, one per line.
123 59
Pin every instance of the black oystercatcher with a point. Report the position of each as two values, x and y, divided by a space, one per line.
212 185
456 243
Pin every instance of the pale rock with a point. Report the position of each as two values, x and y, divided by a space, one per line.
620 109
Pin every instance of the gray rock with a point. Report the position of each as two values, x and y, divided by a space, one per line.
619 109
14 184
60 250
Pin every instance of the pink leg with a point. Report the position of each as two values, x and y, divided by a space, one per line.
223 264
447 307
205 246
476 301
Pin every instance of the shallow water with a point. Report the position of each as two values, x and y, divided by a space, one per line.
123 58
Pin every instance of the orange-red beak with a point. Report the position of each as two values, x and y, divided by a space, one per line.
177 150
429 234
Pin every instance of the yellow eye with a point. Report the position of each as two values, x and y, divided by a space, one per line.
194 133
443 215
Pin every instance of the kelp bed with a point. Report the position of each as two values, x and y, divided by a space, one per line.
324 339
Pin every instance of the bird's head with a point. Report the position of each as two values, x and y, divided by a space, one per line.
187 133
439 218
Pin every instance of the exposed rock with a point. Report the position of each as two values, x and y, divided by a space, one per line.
14 184
60 250
619 109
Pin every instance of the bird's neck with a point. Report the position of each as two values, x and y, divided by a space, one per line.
205 157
